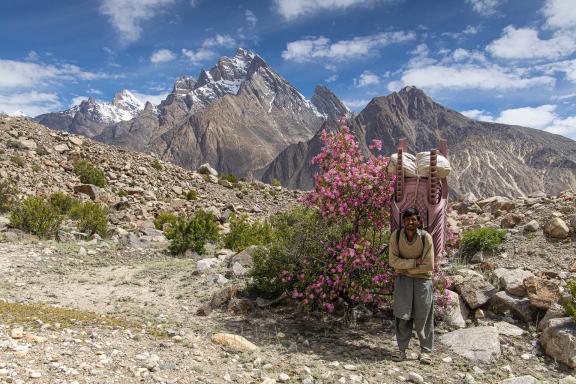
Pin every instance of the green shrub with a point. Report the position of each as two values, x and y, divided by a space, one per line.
8 193
63 203
89 174
481 239
156 165
19 161
163 218
570 303
37 216
192 233
243 234
191 195
295 234
275 183
92 218
229 177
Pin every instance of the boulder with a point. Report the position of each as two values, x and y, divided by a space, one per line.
479 344
542 292
206 169
507 329
526 379
512 280
27 144
556 228
244 258
532 226
88 189
559 340
519 307
60 148
206 264
554 312
234 341
456 314
510 220
475 291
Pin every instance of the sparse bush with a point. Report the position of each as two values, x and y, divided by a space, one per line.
37 216
89 174
19 161
192 233
243 234
163 218
229 177
275 183
570 303
191 195
92 218
63 203
481 239
8 193
156 165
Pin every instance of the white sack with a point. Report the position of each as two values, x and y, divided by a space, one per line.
423 165
408 163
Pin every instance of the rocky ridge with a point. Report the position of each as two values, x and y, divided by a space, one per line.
487 158
140 315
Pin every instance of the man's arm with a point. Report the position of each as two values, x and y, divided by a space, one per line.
426 262
394 258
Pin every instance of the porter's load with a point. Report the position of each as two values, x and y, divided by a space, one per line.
419 165
408 163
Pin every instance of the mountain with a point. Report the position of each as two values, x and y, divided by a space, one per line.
487 158
237 116
92 117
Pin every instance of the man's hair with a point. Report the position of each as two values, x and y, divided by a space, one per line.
409 212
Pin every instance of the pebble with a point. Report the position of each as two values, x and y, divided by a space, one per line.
349 367
283 377
415 377
34 374
447 359
356 378
17 333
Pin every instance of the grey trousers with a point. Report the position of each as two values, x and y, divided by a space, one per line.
414 309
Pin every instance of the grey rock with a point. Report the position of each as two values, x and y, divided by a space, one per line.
526 379
480 344
244 258
508 329
532 226
457 312
475 291
512 280
519 307
88 189
559 340
557 228
554 312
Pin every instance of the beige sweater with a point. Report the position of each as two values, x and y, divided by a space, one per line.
402 257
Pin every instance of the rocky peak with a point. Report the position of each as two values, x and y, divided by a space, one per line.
127 101
184 84
327 103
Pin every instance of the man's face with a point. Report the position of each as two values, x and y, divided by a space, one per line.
411 223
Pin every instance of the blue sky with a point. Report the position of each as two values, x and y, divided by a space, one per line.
510 61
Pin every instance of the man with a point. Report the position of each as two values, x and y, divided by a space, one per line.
411 254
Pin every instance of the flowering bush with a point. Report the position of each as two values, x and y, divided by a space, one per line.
354 194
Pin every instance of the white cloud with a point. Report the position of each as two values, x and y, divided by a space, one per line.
201 54
477 114
128 15
367 78
194 3
565 127
568 67
77 100
469 30
292 9
463 55
332 78
356 104
93 91
524 43
251 18
534 117
219 41
467 76
154 99
560 14
484 7
162 56
30 103
15 74
317 48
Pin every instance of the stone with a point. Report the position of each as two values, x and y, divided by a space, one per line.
177 190
76 140
554 312
456 314
27 144
238 270
479 344
415 377
244 257
130 240
556 228
234 341
206 264
361 313
518 306
512 280
34 374
542 292
475 291
531 226
60 148
559 340
507 329
468 379
206 169
282 377
567 380
238 305
526 379
4 221
510 220
17 333
223 297
88 189
477 258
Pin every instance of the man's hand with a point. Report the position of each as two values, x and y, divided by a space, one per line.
419 261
